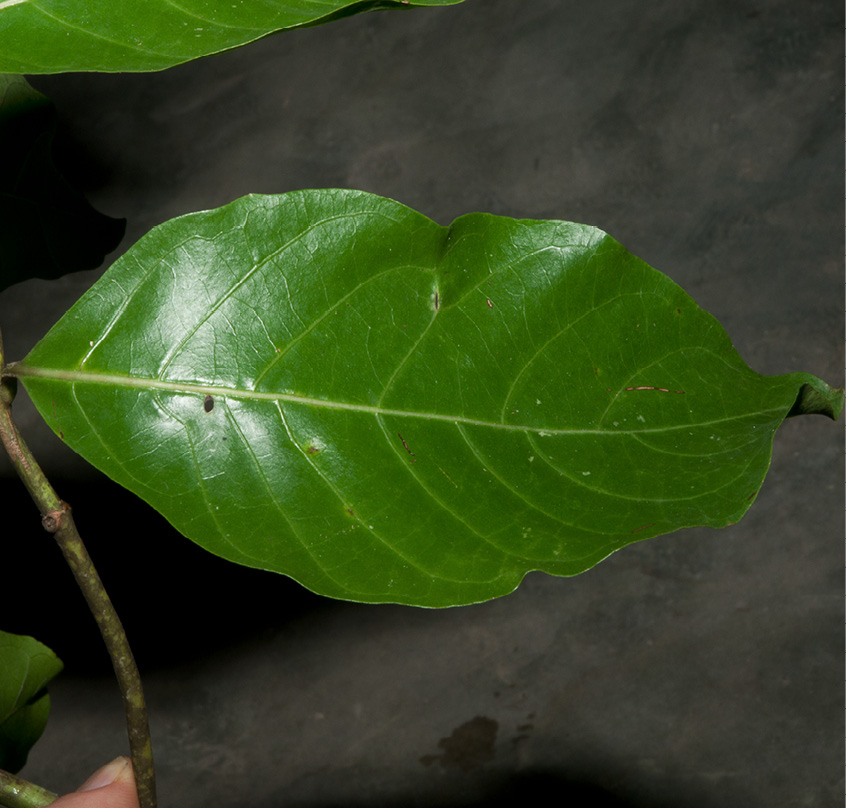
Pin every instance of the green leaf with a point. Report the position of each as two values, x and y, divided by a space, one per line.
47 228
330 385
27 666
55 36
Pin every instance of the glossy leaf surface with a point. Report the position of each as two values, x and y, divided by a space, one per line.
330 385
26 667
55 36
47 228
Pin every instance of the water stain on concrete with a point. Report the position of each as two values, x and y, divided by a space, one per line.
469 746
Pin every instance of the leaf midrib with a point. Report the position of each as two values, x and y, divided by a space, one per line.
120 380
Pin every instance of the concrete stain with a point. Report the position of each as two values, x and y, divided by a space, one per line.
470 745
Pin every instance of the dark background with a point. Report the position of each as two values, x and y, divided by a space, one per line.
699 669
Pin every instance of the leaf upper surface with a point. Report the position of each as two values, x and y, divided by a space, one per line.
54 36
330 385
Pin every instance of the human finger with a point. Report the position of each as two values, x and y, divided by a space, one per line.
112 786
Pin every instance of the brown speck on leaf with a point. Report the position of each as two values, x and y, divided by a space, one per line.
437 301
208 404
643 527
490 305
413 459
312 450
351 512
447 476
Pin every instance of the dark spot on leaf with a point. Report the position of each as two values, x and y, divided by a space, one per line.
311 449
208 404
406 445
351 512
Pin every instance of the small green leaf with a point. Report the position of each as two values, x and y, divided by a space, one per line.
26 666
330 385
55 36
47 228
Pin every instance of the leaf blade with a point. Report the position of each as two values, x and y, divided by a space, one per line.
55 36
418 413
28 666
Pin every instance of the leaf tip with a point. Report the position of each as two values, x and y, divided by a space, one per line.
815 397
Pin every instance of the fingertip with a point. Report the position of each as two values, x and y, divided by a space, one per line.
118 771
112 786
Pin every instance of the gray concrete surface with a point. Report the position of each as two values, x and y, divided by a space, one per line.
699 669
